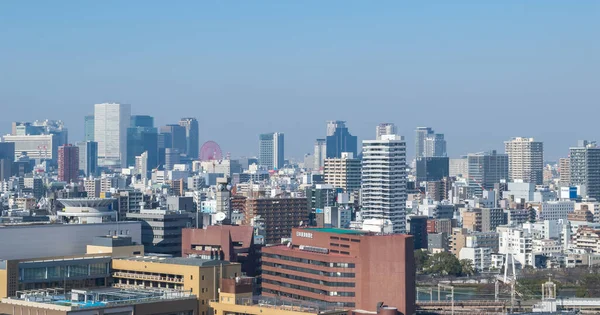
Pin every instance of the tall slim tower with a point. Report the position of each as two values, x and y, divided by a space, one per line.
88 157
111 121
383 180
420 135
68 163
192 136
435 145
584 168
271 150
320 152
89 127
525 160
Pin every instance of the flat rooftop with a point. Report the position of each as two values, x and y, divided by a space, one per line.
177 261
338 231
57 299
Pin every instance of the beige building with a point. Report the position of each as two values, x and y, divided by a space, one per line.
198 276
525 160
344 172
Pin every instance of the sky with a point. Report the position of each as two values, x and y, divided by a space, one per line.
480 72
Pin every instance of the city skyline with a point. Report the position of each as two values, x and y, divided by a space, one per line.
466 60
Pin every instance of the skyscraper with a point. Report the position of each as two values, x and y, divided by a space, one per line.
564 168
420 135
88 157
383 184
192 136
7 156
89 128
525 160
343 172
174 137
141 165
386 129
172 157
142 137
435 145
68 163
271 150
320 152
432 168
486 169
339 140
111 121
585 168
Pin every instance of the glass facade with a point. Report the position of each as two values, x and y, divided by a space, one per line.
64 270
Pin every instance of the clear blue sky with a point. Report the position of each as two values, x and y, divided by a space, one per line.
478 71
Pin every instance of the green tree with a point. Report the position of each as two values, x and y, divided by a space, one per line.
467 268
589 286
421 258
444 264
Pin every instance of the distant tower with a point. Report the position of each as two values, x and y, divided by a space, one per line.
192 136
271 150
171 158
584 168
525 160
111 121
141 165
88 157
420 135
320 152
383 187
68 163
386 129
339 140
89 127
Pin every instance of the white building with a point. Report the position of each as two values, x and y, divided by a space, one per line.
111 121
555 210
271 150
320 154
459 167
517 242
43 147
480 256
384 180
525 160
386 129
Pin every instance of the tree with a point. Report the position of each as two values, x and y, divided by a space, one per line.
467 268
444 264
421 258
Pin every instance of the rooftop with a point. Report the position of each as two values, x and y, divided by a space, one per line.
58 299
178 261
337 231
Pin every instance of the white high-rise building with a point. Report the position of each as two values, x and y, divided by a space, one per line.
320 153
525 160
383 184
386 129
141 165
435 145
111 121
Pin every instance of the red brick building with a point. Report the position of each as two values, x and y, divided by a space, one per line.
233 243
353 269
68 163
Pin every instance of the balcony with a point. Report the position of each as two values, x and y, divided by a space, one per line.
137 276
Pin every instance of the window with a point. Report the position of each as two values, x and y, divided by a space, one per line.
202 277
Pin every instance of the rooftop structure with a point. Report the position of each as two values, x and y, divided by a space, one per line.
87 210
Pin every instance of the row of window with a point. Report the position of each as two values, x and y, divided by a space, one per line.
309 280
70 271
310 262
308 289
311 271
304 298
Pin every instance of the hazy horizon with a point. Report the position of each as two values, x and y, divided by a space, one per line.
479 72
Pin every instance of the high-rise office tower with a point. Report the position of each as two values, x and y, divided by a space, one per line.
339 140
420 135
585 168
7 157
191 136
320 152
142 137
383 187
172 157
486 169
174 137
432 168
271 150
525 160
564 168
435 145
386 129
89 128
111 121
343 172
88 157
68 163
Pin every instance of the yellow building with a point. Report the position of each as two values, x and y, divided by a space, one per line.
116 246
235 298
199 276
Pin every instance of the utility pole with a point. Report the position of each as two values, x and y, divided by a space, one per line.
440 286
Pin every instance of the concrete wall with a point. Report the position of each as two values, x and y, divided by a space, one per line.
32 241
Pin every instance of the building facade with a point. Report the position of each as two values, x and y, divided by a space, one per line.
584 168
486 169
192 137
344 172
383 181
339 140
271 150
111 121
68 163
525 160
280 215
